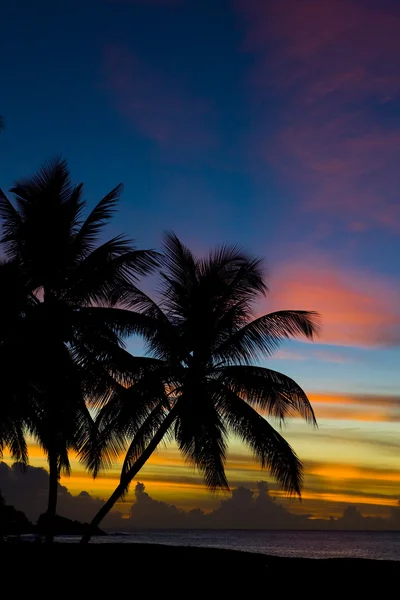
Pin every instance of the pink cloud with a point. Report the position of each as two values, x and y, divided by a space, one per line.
335 66
156 106
288 355
320 355
357 309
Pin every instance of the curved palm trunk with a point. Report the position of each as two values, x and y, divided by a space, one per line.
52 502
125 481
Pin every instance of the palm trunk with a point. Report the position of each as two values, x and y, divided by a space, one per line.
125 481
52 503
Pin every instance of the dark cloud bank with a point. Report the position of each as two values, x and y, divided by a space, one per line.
27 491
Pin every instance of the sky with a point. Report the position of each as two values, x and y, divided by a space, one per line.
274 124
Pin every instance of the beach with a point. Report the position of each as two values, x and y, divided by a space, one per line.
151 554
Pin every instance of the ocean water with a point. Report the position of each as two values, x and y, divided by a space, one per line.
307 544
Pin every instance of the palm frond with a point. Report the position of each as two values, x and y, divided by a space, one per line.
201 437
178 276
12 436
264 335
241 274
122 418
269 447
106 275
268 391
143 437
88 234
51 182
11 226
120 321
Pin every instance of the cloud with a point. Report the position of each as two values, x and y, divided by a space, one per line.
342 472
357 308
28 490
334 69
353 519
156 105
149 513
389 445
245 509
323 355
356 407
241 511
288 355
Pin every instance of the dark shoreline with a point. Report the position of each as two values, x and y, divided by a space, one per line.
162 553
155 570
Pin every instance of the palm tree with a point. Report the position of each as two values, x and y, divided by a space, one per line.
200 380
16 391
73 328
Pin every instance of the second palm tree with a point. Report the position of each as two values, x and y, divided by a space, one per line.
200 380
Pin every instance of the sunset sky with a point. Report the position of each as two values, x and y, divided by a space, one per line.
274 124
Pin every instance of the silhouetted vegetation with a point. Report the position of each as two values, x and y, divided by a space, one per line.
63 526
199 382
61 330
72 301
12 521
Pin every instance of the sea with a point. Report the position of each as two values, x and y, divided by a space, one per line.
377 545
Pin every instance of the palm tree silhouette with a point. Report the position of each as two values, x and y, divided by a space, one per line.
16 390
74 320
200 381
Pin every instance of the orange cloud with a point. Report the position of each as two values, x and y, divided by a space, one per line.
346 498
341 472
357 309
336 68
329 481
363 400
356 407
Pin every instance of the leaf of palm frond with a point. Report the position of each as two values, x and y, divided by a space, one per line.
160 336
269 391
179 275
88 233
178 259
101 449
97 270
143 437
129 407
242 275
121 418
115 368
11 226
50 181
124 322
64 465
12 435
135 299
83 423
201 437
107 274
269 447
137 263
265 334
